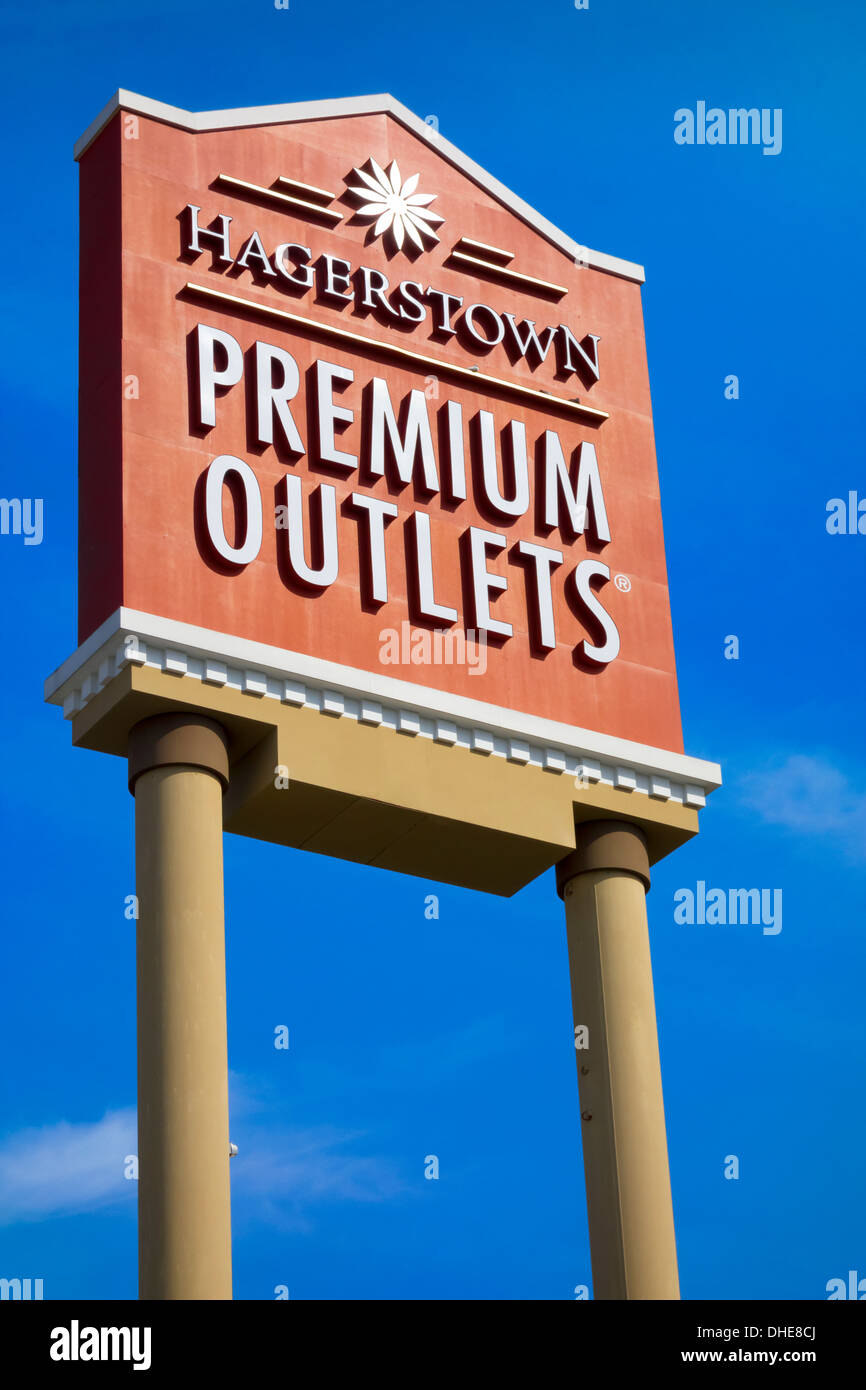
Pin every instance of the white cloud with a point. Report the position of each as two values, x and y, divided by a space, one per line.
66 1168
281 1175
308 1167
810 796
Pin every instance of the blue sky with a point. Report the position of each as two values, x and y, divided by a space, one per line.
453 1037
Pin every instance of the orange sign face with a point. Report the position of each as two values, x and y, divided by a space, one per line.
343 395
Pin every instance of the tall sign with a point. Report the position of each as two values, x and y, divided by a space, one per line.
368 500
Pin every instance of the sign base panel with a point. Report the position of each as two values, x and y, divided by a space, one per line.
366 793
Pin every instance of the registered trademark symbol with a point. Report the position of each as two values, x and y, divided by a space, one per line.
622 582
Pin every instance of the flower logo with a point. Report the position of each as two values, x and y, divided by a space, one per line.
398 209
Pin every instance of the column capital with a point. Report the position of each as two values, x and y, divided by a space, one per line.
616 845
186 740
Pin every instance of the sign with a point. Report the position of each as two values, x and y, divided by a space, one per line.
360 428
362 392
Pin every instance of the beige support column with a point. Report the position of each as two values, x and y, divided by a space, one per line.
603 884
178 770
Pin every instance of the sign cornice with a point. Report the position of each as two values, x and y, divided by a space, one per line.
183 649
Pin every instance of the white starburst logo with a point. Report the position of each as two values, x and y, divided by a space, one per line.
398 209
